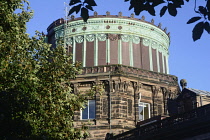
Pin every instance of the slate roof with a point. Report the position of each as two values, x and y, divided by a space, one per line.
199 92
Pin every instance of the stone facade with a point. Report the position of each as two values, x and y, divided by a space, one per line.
117 108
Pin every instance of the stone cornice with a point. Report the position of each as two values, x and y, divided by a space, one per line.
142 74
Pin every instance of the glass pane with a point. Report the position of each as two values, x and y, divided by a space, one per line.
85 113
146 112
91 109
141 113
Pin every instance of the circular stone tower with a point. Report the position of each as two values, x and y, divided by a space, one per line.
108 39
129 56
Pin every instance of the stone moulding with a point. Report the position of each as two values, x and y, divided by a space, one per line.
127 27
131 71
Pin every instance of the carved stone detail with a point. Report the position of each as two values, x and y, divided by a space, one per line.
72 17
160 48
69 41
90 37
120 14
102 37
159 25
125 85
155 90
113 37
125 38
96 27
84 28
95 14
120 27
73 30
107 27
152 21
146 42
136 39
165 29
107 13
154 45
132 15
136 87
79 39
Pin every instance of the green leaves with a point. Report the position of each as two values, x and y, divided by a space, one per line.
163 10
199 27
84 14
36 100
83 7
172 9
75 9
198 31
207 27
140 6
73 2
193 19
90 2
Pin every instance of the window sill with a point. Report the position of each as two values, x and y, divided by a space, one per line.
88 120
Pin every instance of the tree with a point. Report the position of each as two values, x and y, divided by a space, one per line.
149 5
36 100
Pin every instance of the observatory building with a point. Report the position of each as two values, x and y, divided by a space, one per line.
129 56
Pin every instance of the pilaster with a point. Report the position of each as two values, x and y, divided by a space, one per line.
84 52
96 51
107 50
158 62
131 51
120 51
74 49
150 57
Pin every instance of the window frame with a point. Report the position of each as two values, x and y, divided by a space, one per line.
144 105
88 113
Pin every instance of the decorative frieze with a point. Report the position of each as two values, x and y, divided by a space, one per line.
79 39
146 42
102 37
154 45
90 37
113 37
125 38
136 39
69 41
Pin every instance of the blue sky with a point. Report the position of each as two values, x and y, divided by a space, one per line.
187 60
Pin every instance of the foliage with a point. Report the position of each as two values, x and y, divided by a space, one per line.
36 101
149 5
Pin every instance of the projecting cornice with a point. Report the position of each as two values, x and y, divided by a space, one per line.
113 25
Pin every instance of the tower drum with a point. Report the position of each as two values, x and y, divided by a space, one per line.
108 39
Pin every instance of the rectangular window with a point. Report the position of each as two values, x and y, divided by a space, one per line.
90 110
144 111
